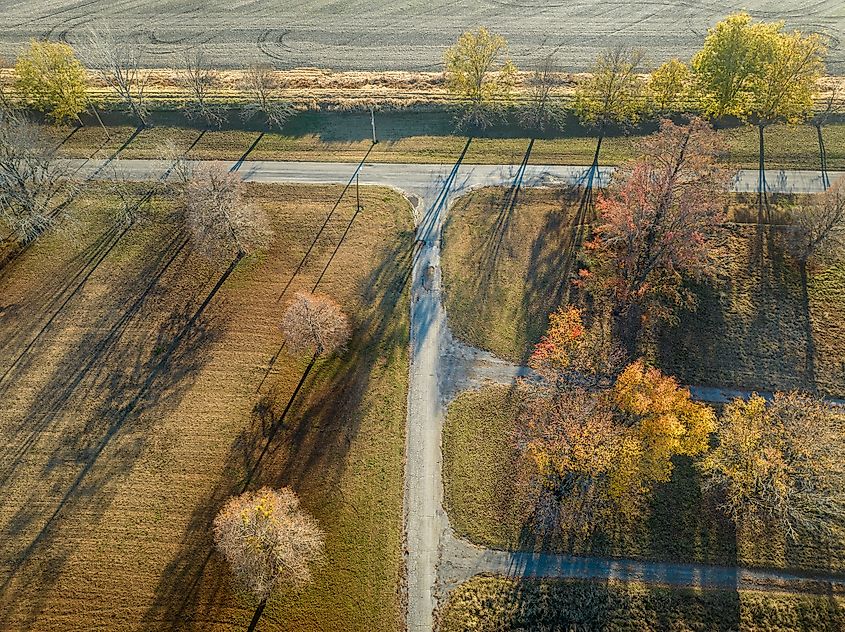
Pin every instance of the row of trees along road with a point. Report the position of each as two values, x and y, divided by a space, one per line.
51 78
751 70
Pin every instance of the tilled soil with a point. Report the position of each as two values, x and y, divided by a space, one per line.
406 35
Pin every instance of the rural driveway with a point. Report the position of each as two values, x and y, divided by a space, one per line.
436 560
399 34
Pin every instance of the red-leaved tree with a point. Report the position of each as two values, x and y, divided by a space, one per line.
659 220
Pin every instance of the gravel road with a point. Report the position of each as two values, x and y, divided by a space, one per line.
403 34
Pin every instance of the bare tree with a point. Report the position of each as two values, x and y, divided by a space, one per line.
819 223
199 78
220 221
313 323
269 541
180 168
33 185
118 63
132 205
260 84
781 463
543 109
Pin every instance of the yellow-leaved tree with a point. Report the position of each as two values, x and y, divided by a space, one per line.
669 87
49 78
480 74
755 71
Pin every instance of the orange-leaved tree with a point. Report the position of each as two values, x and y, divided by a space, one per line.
599 446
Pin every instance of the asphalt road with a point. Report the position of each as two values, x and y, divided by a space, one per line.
400 34
423 179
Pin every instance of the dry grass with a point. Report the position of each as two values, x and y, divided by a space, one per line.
754 327
490 603
134 415
327 89
490 502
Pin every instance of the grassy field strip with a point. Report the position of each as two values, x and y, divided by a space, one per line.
133 487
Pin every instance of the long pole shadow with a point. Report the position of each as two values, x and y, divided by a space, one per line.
810 345
92 266
428 224
240 161
302 261
579 223
118 422
493 243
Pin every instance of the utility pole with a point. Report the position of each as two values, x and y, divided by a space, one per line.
373 124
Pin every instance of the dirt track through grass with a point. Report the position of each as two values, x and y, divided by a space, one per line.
129 420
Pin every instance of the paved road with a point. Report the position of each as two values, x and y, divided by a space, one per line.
399 34
440 367
425 178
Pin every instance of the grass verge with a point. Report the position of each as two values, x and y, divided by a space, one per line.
757 326
419 137
491 603
131 412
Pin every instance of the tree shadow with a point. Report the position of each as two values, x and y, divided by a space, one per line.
98 423
296 438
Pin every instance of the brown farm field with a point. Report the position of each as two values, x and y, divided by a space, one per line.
137 398
757 326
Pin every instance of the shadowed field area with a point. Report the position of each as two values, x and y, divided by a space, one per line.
759 325
488 603
491 501
140 392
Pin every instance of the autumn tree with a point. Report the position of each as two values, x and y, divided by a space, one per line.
658 224
600 447
199 78
727 68
51 79
781 464
261 85
118 64
756 71
220 221
269 541
34 185
571 353
613 93
543 109
131 204
315 324
819 223
480 74
669 87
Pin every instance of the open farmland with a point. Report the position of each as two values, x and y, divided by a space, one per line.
137 398
408 35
